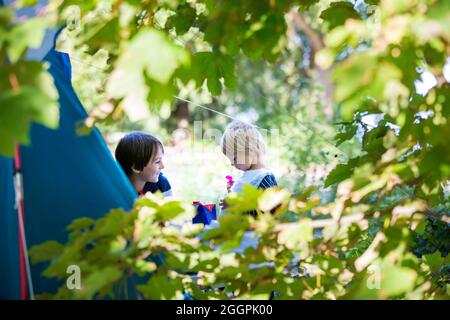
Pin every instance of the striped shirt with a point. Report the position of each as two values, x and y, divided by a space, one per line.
267 182
259 178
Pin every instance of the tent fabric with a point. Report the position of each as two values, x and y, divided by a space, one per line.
9 236
65 176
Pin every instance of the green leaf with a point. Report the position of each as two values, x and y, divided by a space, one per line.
338 13
98 280
161 59
114 223
212 67
434 261
102 35
438 11
34 98
170 210
28 34
307 192
341 172
84 6
298 234
362 76
161 287
19 108
6 17
271 198
245 201
144 267
80 223
397 280
23 3
373 140
348 133
159 93
183 19
231 229
263 37
45 251
306 3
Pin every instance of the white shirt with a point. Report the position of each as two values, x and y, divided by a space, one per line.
251 177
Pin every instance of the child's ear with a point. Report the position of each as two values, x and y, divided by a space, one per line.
134 170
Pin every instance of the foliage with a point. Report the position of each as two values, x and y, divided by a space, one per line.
153 252
371 241
27 92
433 238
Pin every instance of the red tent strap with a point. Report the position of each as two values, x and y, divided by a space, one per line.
22 253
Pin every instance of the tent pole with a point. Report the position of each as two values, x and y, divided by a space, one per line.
24 261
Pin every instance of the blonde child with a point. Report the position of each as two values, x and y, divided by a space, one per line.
244 146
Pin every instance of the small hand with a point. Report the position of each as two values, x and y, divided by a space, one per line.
223 204
229 185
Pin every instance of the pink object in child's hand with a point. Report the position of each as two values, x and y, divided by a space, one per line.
230 182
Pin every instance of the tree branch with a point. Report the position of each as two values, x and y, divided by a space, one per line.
296 20
321 223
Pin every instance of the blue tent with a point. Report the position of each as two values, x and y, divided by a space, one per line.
65 176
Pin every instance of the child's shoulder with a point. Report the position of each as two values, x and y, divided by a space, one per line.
162 185
261 178
268 181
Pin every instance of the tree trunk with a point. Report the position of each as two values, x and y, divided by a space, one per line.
182 115
181 134
297 22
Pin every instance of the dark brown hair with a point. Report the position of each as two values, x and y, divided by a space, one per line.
136 149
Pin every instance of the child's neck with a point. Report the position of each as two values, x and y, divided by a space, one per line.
137 183
255 166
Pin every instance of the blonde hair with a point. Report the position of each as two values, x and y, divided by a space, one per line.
240 137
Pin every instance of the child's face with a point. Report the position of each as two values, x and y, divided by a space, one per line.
241 160
151 171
